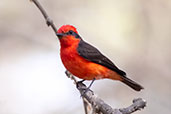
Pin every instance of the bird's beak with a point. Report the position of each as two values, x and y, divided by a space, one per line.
60 35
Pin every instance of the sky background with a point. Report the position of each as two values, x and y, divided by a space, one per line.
135 35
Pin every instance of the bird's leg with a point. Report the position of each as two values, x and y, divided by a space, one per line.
91 83
81 81
88 88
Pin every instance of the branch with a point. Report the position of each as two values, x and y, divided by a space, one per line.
100 106
89 98
138 104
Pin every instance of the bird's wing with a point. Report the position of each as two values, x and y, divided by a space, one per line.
94 55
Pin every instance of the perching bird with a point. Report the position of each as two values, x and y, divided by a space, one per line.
85 61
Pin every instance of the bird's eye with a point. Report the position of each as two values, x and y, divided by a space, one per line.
71 32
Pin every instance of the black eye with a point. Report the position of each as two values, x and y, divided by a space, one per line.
71 32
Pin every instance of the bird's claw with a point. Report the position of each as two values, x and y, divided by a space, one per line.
84 91
81 86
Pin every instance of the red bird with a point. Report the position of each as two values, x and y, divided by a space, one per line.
85 61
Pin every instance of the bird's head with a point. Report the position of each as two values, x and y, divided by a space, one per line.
67 35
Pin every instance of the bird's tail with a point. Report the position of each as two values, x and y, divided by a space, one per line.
131 83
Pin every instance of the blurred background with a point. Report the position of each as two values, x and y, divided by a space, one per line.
133 34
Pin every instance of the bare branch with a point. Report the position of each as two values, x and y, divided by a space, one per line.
100 106
138 104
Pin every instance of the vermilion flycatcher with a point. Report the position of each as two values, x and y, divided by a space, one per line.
87 62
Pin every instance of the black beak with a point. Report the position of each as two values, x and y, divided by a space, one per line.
60 35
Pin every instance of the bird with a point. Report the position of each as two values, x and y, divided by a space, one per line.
86 61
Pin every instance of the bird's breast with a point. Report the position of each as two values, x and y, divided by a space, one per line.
81 67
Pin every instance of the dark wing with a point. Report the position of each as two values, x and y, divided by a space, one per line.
92 54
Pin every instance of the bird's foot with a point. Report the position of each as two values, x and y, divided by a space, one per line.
83 87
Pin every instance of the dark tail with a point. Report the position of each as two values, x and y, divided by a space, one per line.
131 83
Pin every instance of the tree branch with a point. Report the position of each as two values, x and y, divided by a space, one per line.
89 98
100 106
